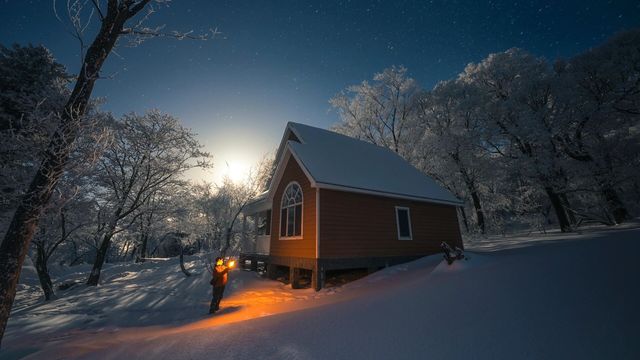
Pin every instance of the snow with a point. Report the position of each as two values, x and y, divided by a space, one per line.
337 160
573 297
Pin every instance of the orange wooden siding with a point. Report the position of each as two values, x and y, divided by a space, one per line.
360 225
305 247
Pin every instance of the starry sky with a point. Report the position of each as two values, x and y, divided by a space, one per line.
279 61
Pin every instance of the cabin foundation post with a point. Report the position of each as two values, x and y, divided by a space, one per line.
271 271
317 277
294 277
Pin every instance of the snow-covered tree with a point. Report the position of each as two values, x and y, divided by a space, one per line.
380 112
63 223
599 92
148 153
450 149
117 19
518 139
32 93
517 98
218 209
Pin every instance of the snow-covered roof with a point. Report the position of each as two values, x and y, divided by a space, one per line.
336 161
257 204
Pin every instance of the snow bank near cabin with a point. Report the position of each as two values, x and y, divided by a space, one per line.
571 299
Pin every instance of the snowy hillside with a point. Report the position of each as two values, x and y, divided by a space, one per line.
571 298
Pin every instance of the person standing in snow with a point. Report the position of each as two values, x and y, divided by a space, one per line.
219 281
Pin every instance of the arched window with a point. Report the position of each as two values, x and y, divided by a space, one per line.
291 211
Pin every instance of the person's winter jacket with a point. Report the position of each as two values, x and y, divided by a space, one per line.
219 276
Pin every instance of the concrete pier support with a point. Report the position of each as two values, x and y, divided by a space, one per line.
317 278
271 271
294 277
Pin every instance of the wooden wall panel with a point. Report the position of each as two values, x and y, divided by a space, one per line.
305 247
360 225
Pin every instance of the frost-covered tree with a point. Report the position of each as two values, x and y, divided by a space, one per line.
32 95
218 209
599 92
518 139
114 16
152 216
32 92
148 153
517 98
380 112
64 222
168 210
449 149
33 84
117 19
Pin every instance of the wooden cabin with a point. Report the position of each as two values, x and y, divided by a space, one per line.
336 202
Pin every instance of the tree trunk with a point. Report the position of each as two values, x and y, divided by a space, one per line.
184 270
18 237
43 273
561 214
143 248
101 255
103 250
567 205
473 190
479 211
464 218
16 242
227 243
614 204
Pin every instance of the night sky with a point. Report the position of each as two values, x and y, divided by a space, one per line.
279 61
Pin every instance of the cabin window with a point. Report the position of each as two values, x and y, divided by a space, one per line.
264 223
291 212
403 222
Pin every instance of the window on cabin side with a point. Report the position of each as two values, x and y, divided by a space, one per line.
291 211
403 223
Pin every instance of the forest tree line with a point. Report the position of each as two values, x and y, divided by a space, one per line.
54 134
123 195
527 144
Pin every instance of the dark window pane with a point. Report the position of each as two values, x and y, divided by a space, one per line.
298 227
298 197
403 223
290 221
267 225
283 222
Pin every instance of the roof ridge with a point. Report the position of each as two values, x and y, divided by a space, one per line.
347 137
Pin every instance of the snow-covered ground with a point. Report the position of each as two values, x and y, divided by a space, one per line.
558 297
